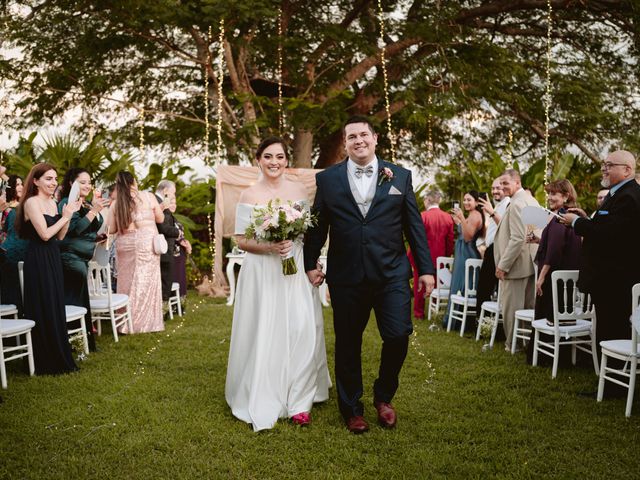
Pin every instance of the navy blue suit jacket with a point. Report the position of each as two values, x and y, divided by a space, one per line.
610 253
367 248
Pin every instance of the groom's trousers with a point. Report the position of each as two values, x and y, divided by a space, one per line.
352 307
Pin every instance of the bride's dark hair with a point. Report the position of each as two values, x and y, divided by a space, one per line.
267 142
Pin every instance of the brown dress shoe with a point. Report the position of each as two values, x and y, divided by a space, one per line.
357 425
386 414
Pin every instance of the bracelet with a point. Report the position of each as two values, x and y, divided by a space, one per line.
492 215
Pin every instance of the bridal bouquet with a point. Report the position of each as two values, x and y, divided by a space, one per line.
277 222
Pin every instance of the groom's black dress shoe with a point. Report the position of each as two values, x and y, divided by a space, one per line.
357 425
386 414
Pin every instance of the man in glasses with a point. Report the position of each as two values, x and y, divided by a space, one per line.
610 254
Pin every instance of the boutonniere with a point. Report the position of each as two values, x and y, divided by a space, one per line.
385 175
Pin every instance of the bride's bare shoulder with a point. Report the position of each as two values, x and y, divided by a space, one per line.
249 195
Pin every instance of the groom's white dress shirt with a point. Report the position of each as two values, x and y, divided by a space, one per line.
364 182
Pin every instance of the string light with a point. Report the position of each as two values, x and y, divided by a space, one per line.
281 124
383 61
429 133
141 130
220 81
417 346
207 155
218 156
547 103
510 150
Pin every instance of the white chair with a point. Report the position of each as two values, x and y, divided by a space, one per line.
106 305
520 331
440 295
8 311
15 328
174 300
76 313
491 310
623 350
467 301
577 307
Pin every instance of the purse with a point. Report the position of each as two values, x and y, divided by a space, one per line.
160 245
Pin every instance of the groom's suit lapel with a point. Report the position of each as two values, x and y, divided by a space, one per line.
344 181
382 189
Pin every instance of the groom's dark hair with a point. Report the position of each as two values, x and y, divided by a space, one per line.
358 119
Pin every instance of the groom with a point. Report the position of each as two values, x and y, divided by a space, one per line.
365 205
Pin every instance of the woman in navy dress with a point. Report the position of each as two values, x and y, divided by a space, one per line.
39 222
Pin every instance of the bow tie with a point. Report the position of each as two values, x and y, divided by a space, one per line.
368 171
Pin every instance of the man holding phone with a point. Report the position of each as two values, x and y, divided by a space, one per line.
487 281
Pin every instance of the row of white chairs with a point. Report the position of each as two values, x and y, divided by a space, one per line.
574 323
105 306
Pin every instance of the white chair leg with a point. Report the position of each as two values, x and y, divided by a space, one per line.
429 309
494 331
32 366
450 321
170 305
556 357
179 304
574 354
99 325
603 372
536 338
480 320
632 386
112 316
464 319
3 370
514 337
85 338
594 354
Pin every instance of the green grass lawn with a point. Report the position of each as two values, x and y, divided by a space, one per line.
138 412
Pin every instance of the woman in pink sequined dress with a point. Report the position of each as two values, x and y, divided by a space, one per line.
134 220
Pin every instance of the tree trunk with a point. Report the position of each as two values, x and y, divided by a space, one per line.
331 150
302 148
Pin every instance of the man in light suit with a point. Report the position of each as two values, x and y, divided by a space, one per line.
367 207
513 255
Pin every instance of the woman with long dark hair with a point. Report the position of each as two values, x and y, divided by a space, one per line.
469 230
14 248
133 218
78 245
39 222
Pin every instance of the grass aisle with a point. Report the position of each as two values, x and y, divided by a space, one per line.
481 415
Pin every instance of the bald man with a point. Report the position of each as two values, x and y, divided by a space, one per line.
610 254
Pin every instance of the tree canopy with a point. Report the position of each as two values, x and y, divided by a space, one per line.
463 75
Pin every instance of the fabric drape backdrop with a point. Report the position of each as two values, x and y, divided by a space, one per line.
230 182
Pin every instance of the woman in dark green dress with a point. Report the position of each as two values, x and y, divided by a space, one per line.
14 248
78 245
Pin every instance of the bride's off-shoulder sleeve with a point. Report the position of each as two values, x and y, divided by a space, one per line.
243 218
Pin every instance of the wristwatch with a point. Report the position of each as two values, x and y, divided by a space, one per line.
492 215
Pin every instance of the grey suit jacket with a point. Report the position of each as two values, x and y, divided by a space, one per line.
511 252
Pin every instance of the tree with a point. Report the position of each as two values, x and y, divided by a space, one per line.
446 62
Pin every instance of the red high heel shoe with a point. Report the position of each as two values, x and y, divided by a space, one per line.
301 419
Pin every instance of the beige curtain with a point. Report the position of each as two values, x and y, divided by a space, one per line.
230 182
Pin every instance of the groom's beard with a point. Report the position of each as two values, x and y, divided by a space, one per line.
606 183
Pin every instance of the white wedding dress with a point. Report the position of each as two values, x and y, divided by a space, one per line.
277 358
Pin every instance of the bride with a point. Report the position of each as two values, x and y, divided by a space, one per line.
277 359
